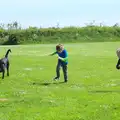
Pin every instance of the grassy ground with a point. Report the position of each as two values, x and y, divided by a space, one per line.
92 92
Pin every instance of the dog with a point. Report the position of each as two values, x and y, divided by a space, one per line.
4 64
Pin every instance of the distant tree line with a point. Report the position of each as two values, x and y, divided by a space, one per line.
14 34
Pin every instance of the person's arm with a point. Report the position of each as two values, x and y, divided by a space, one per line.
53 54
64 59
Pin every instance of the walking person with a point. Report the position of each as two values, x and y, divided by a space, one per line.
118 62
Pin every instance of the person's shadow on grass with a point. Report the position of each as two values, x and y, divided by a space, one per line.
46 83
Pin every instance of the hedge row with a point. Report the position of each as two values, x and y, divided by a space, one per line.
53 35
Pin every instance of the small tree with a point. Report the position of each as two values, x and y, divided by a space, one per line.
15 25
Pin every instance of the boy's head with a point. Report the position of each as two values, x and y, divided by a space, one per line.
59 48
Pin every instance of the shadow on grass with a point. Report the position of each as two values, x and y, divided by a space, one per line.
105 91
46 84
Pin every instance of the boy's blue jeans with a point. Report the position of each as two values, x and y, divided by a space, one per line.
64 68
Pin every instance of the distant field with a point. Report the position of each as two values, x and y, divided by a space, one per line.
92 91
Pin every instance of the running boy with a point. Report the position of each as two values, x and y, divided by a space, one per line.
62 62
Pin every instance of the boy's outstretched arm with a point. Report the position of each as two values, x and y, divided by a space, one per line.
52 54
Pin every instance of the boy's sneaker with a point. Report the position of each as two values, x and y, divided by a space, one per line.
56 78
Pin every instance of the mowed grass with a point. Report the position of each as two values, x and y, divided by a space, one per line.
92 91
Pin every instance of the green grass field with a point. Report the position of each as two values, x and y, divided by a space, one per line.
92 92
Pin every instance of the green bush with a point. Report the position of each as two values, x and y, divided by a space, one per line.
57 35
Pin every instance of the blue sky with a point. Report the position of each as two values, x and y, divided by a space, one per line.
47 13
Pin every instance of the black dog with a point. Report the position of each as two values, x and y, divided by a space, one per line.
4 64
